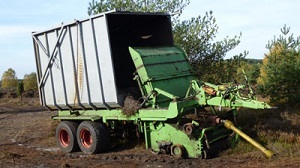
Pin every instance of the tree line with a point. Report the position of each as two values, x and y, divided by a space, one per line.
11 86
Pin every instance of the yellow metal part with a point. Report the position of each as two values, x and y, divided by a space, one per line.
228 124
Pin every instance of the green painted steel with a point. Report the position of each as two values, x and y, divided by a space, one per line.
163 69
161 134
92 84
171 92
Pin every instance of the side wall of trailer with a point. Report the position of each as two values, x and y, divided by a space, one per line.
86 64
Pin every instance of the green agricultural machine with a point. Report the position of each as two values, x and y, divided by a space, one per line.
116 70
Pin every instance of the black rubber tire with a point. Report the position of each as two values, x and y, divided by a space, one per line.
93 137
66 136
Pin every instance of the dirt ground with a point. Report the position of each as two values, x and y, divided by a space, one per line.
27 140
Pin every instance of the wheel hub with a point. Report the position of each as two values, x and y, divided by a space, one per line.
86 138
64 138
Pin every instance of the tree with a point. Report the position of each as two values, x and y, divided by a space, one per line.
20 89
196 36
9 80
251 68
170 6
30 82
279 74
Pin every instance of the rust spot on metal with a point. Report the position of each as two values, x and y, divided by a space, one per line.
80 71
139 67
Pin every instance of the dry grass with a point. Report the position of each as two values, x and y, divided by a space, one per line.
131 106
25 102
276 129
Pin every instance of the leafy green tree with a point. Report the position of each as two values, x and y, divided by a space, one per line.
251 68
196 36
20 89
30 82
9 80
279 74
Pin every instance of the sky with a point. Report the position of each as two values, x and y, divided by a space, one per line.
258 21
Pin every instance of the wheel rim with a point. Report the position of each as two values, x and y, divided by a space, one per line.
86 138
177 151
204 154
188 128
64 138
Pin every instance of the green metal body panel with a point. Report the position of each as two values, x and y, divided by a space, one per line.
162 68
160 133
145 114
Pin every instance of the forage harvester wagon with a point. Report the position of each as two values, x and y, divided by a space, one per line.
119 68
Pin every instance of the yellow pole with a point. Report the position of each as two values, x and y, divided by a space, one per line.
228 124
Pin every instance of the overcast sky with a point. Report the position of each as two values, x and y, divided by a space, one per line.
258 20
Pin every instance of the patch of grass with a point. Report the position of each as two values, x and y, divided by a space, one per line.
53 124
276 129
284 149
25 102
241 148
